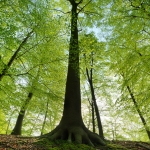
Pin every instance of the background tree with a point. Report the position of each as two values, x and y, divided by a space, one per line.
27 59
127 45
89 47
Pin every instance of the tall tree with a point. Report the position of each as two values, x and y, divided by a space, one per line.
91 48
18 125
19 121
139 112
94 103
13 57
45 116
129 47
71 126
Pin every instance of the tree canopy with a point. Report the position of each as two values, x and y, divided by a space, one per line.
47 47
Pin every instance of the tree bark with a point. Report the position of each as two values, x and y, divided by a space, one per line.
93 116
71 126
139 112
43 125
18 125
90 80
6 67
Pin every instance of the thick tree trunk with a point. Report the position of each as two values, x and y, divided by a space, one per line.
18 125
71 126
139 112
72 105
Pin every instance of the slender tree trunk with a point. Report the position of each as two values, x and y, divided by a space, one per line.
93 116
18 125
90 80
139 112
6 67
91 111
43 125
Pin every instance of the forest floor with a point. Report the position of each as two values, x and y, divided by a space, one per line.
11 142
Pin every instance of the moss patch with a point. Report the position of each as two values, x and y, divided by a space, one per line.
46 144
61 145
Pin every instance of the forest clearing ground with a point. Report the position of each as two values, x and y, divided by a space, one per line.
13 142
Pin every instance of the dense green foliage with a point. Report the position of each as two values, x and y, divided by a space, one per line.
34 43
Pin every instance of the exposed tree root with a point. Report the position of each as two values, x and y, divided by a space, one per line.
75 134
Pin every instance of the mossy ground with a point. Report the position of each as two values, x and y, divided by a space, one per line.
63 145
12 142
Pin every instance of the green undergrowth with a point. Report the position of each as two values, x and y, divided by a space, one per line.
62 145
115 147
46 144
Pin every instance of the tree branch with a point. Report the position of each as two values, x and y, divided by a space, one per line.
80 2
84 6
19 48
87 73
15 55
61 11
